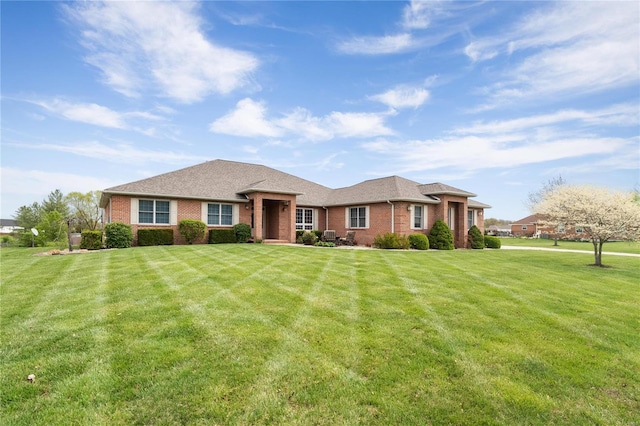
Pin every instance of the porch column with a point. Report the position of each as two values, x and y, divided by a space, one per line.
257 218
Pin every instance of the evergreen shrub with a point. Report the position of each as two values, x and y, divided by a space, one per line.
242 231
155 237
309 238
91 240
440 236
391 241
222 236
418 241
118 235
325 244
192 230
492 242
476 239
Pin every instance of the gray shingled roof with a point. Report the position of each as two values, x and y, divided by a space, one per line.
229 181
440 188
226 181
392 188
477 204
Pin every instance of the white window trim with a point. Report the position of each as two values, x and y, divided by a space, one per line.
135 210
204 213
314 218
451 217
412 218
347 217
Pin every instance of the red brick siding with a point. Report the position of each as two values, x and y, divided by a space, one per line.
119 210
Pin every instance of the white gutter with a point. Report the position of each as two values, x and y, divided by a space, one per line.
393 219
326 217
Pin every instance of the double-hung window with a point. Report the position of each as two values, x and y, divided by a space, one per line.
471 218
153 211
418 217
357 217
304 219
219 214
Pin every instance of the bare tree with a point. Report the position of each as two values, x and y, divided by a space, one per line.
85 209
603 215
536 197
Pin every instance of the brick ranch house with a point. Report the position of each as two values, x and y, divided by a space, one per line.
223 193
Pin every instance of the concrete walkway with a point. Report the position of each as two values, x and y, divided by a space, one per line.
608 253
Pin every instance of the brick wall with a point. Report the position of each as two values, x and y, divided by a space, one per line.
119 210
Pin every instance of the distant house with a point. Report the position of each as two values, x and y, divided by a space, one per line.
9 226
223 193
530 226
499 230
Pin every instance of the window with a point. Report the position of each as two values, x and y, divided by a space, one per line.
153 211
451 217
418 217
358 217
578 229
471 218
304 219
561 228
220 214
524 227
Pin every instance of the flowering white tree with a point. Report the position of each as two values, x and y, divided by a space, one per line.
603 215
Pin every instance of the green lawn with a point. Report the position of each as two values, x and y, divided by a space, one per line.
613 247
256 334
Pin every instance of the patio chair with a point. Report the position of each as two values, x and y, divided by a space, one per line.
350 239
329 236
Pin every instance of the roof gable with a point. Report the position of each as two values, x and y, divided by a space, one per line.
224 180
438 188
392 188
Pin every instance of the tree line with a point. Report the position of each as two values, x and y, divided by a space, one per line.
59 214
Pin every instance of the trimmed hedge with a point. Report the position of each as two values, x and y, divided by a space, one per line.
118 235
418 241
492 242
192 230
155 237
91 240
391 241
440 236
242 231
476 239
222 236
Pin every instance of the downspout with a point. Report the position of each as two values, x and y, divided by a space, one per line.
393 219
326 218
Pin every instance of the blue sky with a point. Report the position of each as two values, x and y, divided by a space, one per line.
492 97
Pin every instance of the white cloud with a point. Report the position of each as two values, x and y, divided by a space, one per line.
567 47
562 135
357 125
372 45
116 153
418 14
249 119
143 45
98 115
474 152
616 115
85 113
403 96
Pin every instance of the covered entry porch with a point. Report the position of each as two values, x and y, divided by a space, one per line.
273 216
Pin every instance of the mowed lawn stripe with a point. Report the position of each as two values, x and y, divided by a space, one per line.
556 342
246 334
